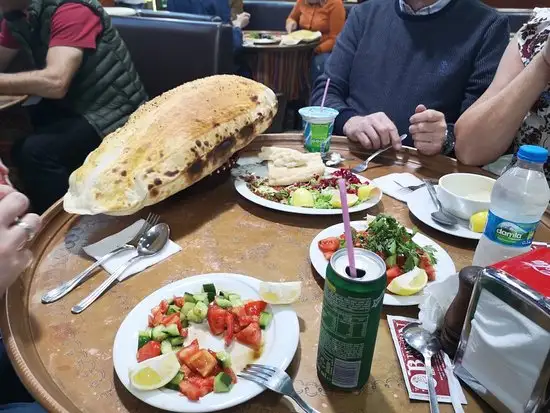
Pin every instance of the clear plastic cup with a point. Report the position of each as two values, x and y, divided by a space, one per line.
318 124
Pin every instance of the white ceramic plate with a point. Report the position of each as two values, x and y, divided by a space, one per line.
281 341
444 267
421 206
252 165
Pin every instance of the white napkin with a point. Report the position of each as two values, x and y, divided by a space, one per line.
505 352
438 298
389 187
106 245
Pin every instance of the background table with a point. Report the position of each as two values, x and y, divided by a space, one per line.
284 69
66 360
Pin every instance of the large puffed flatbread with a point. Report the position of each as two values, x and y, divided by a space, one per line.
170 143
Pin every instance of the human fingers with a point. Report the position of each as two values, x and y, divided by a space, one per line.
383 126
5 190
12 206
373 135
420 109
429 115
424 127
364 140
22 231
427 148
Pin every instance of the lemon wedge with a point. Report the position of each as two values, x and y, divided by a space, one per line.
280 293
156 372
479 221
409 283
364 192
336 203
302 198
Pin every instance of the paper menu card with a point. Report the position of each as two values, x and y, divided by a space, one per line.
413 368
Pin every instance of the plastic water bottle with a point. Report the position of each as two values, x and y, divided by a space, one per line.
518 200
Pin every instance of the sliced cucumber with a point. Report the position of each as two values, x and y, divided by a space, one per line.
188 298
223 303
176 341
170 301
146 333
174 383
265 320
235 300
209 288
158 333
166 347
142 341
172 309
183 320
193 318
211 297
172 330
201 297
224 358
200 310
222 383
187 307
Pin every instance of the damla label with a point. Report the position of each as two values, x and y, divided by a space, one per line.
512 234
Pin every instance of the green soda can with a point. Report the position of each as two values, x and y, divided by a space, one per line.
318 124
350 318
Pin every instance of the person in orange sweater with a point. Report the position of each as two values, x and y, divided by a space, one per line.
325 16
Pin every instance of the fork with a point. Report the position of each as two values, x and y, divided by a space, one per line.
276 380
63 289
410 187
362 167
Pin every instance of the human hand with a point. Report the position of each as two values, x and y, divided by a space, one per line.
291 25
242 20
14 257
4 174
428 129
546 52
373 131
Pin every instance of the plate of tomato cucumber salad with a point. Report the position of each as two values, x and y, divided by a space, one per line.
412 259
181 348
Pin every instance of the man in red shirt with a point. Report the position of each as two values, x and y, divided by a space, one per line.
84 77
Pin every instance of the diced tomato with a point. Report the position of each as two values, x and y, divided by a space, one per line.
185 354
230 328
203 362
170 319
179 301
187 372
229 371
426 265
328 255
251 336
155 310
216 319
163 306
157 319
392 273
205 385
189 390
148 351
183 331
331 244
150 321
255 307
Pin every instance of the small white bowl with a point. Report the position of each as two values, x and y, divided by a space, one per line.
463 195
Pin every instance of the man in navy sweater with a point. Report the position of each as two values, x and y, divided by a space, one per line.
411 66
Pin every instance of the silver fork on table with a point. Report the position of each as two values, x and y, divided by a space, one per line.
362 167
65 288
415 187
276 380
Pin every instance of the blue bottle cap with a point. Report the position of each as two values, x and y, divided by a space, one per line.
533 153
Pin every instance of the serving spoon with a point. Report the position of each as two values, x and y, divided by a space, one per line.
151 243
428 345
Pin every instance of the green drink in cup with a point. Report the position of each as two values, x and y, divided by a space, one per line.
318 125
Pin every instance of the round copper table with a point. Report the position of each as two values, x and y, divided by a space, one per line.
66 361
283 68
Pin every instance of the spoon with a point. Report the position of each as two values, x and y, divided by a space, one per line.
439 216
151 243
427 345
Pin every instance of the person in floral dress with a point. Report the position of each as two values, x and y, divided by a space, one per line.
515 109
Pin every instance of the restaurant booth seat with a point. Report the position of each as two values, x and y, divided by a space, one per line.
168 52
272 15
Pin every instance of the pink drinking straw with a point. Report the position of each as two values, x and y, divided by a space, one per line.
325 94
347 227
